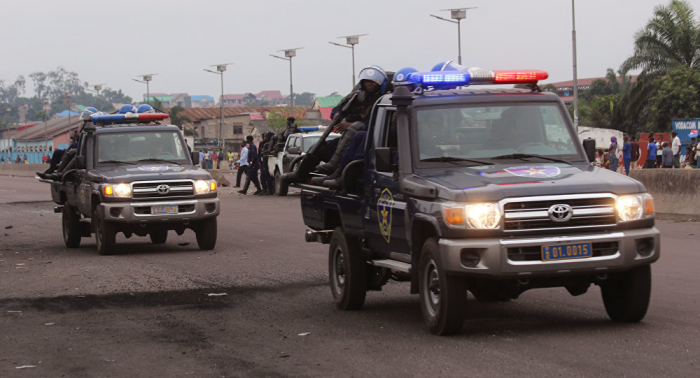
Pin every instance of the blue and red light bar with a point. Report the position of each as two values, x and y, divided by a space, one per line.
448 79
128 117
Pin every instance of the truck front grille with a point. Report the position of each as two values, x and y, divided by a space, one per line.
530 214
149 189
535 253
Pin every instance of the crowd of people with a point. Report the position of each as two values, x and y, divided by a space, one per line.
660 154
22 159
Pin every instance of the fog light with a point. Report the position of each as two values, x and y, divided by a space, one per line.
645 247
210 207
115 212
470 257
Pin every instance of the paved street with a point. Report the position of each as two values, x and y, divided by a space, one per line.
147 311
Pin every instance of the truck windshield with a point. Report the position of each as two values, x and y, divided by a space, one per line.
532 132
141 145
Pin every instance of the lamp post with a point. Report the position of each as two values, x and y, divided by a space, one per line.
146 79
97 88
456 14
288 55
220 69
351 40
573 37
47 107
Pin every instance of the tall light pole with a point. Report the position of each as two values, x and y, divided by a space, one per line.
146 79
573 37
97 88
47 107
69 95
220 69
288 55
351 40
456 14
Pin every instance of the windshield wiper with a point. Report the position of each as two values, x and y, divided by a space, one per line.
115 162
524 156
450 159
157 160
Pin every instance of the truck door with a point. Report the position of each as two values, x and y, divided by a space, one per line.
386 226
292 141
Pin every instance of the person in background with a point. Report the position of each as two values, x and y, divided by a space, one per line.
265 179
676 148
659 150
612 154
636 153
253 166
220 159
651 154
230 158
242 163
627 154
214 160
201 159
693 150
667 158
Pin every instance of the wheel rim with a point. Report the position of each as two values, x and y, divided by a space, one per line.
432 287
338 270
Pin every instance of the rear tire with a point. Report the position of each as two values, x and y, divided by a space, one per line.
71 227
347 271
281 187
443 298
206 234
159 237
105 235
626 295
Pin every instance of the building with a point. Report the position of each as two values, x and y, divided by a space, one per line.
38 138
271 98
202 101
324 105
565 89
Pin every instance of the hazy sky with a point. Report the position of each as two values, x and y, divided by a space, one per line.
114 41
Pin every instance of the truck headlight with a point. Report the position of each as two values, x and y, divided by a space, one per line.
633 207
476 216
118 190
204 186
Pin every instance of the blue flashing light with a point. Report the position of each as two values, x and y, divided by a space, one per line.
439 79
308 128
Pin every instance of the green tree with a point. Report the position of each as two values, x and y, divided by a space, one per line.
176 118
115 96
304 99
677 96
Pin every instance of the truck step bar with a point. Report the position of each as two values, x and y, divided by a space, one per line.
393 265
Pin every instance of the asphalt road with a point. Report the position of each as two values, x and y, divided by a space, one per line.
147 312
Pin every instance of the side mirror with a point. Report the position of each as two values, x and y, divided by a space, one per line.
80 162
195 158
383 159
293 150
589 147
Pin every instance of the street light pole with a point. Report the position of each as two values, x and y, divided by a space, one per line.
456 14
351 40
146 79
573 37
289 54
97 88
220 69
45 101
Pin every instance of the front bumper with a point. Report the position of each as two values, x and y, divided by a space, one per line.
460 256
140 212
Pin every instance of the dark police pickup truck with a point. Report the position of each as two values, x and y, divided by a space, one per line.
135 178
481 190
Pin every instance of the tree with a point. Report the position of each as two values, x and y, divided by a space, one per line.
677 96
11 93
176 118
116 96
304 99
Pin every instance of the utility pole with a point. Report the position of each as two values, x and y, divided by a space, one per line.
146 79
47 107
220 69
456 14
288 55
573 37
351 40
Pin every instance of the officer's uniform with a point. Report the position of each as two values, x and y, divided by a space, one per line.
253 166
265 180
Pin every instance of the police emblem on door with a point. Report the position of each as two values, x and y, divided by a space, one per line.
384 206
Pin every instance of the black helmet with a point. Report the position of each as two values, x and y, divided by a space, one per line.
291 119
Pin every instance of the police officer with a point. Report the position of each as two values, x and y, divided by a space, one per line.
265 179
253 166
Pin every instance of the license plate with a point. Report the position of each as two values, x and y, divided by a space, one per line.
566 251
156 210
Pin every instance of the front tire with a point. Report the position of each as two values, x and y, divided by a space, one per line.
206 234
105 235
71 227
626 295
443 298
159 237
281 187
347 268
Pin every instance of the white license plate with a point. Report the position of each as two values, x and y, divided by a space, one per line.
157 210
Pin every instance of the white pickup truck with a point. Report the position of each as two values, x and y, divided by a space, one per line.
286 160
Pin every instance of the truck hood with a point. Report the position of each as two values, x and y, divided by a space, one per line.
150 171
496 182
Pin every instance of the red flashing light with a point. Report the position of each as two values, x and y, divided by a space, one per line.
152 116
519 77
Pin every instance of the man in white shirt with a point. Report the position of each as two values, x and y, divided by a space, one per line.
201 159
676 149
242 164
